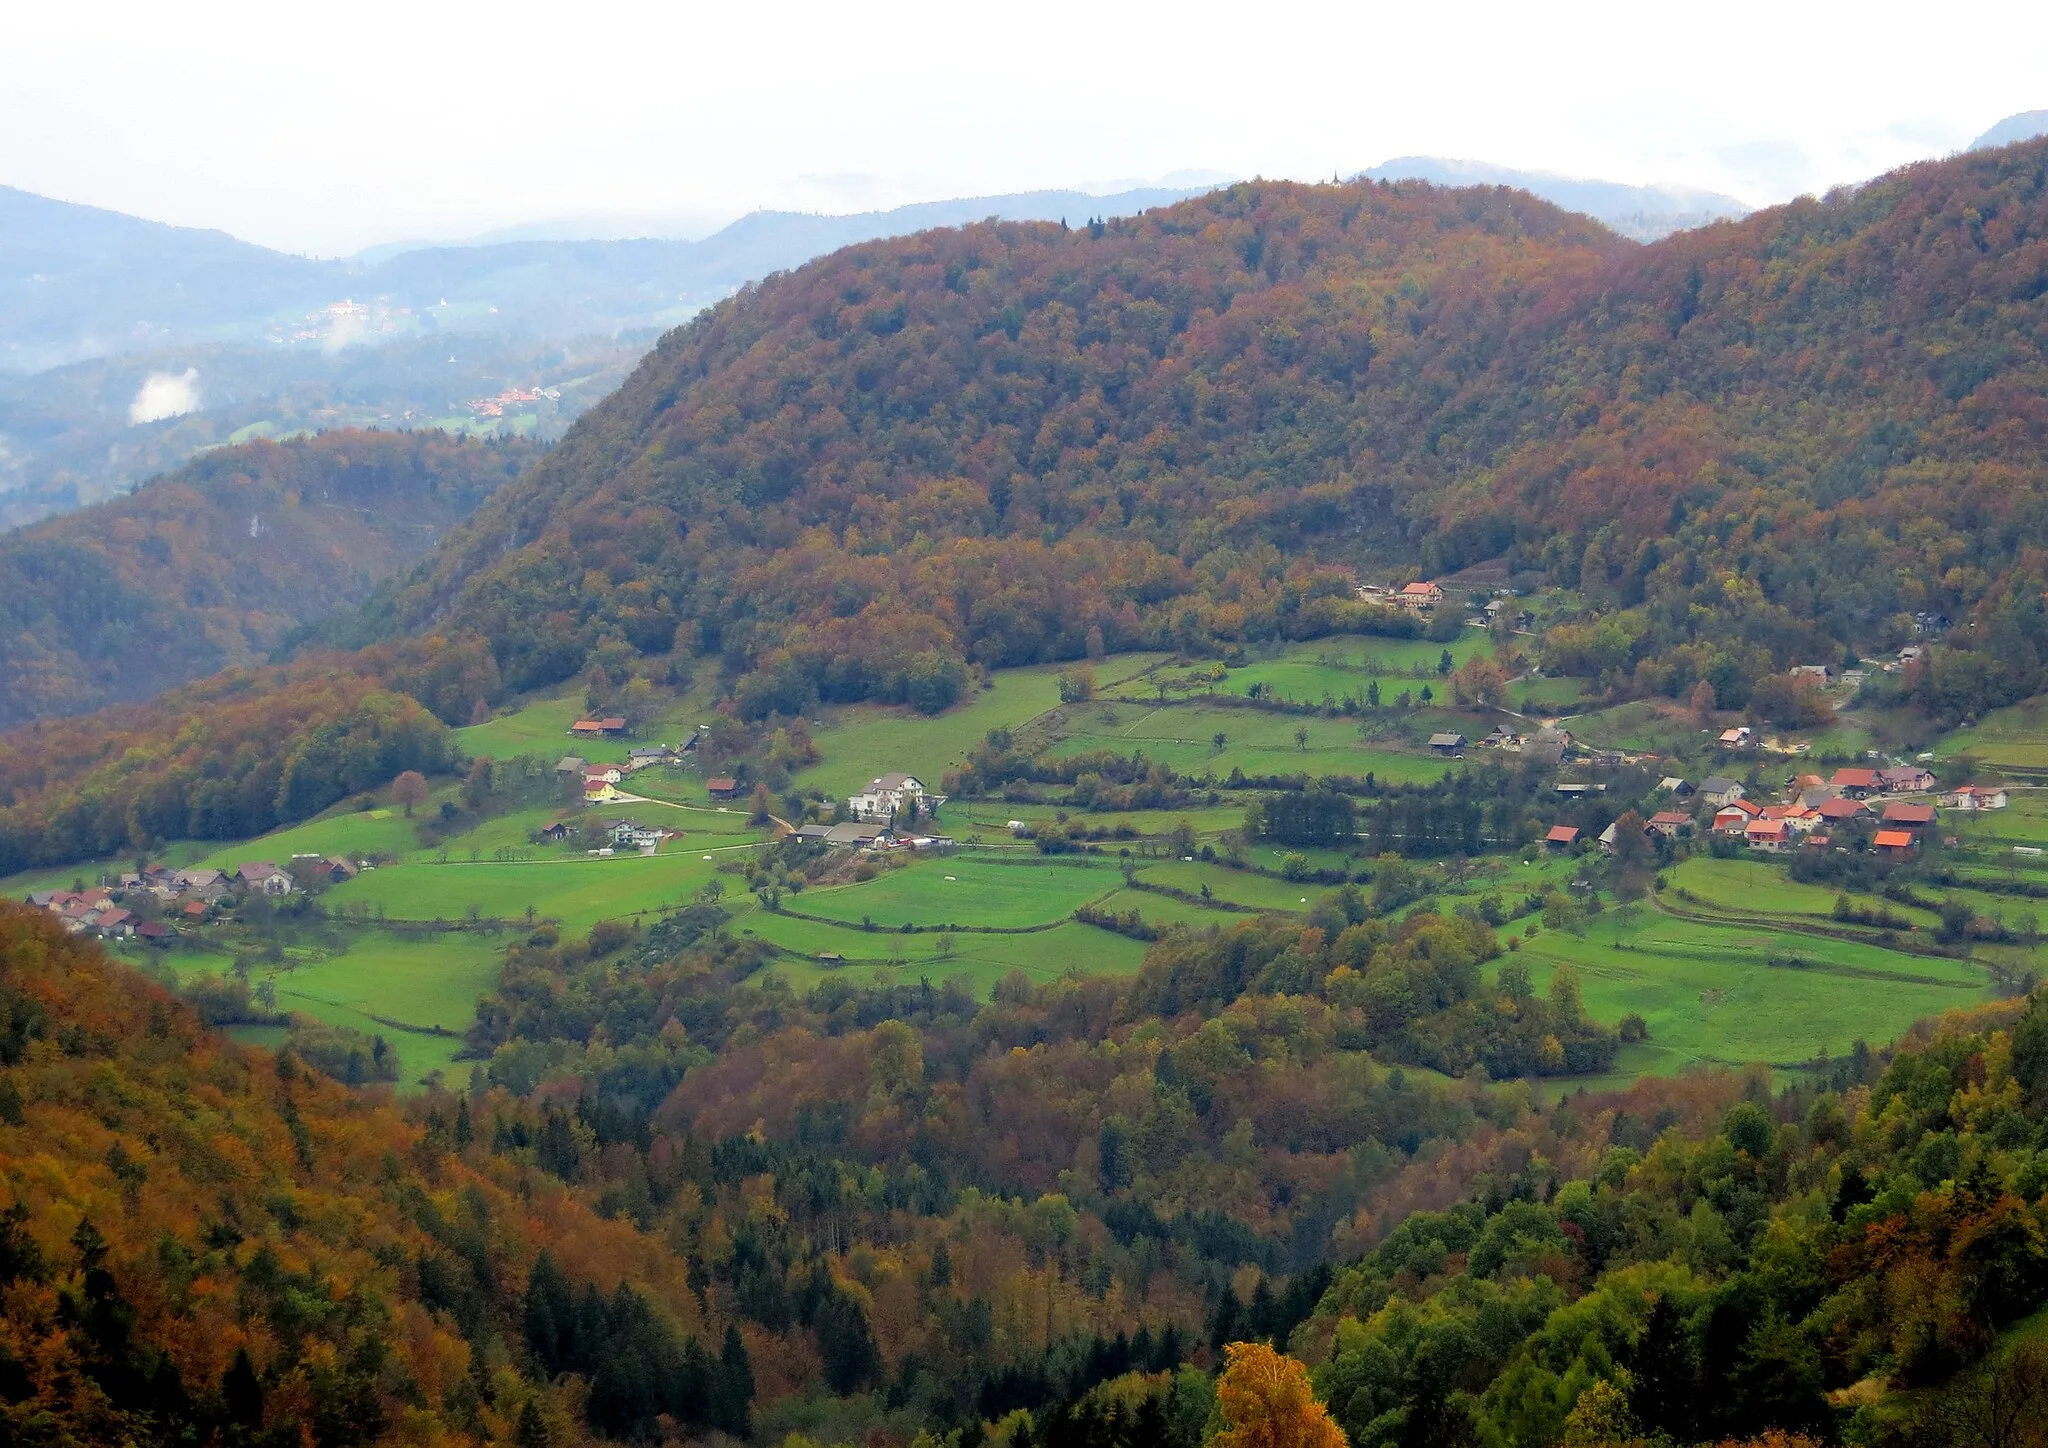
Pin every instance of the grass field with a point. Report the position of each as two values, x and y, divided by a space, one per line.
981 960
860 741
381 831
968 890
1241 887
577 891
1712 996
381 985
1758 887
1309 672
2013 737
1183 737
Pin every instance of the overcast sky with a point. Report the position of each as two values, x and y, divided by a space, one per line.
328 128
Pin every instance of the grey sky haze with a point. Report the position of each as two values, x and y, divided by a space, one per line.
326 129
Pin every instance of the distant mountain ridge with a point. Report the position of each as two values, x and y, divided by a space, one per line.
2023 127
78 282
1641 213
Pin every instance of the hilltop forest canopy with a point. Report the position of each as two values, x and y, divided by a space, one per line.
1753 444
212 566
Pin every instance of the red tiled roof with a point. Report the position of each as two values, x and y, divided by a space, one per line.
1909 814
1894 840
1561 835
1854 778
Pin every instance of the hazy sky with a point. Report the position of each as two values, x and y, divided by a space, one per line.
328 128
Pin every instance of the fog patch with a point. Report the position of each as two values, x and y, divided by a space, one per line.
165 394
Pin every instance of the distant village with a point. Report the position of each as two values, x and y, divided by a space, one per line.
152 904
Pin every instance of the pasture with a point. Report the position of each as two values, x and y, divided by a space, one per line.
1328 669
1183 736
578 891
2015 737
1240 887
980 960
967 890
1734 994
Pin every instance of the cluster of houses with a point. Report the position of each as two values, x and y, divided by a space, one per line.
186 896
880 817
601 781
1812 811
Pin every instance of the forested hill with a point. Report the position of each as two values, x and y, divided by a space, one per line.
984 444
208 567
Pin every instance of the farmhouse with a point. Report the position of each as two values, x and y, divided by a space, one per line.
599 791
1670 823
1905 779
608 773
1839 809
891 795
648 755
607 728
1420 595
1768 835
1857 783
264 878
1976 796
1718 790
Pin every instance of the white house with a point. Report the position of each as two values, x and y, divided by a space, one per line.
890 796
1976 796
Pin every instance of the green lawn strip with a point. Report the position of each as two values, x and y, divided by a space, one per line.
416 982
577 891
981 960
1545 695
990 818
1164 910
1006 893
1346 664
1637 726
1260 743
857 742
2016 735
1758 887
380 831
1711 995
1242 887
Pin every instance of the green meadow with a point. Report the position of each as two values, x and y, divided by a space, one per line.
967 890
1733 994
578 891
1183 736
1331 668
2014 737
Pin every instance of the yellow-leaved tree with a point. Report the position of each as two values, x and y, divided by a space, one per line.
1265 1400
